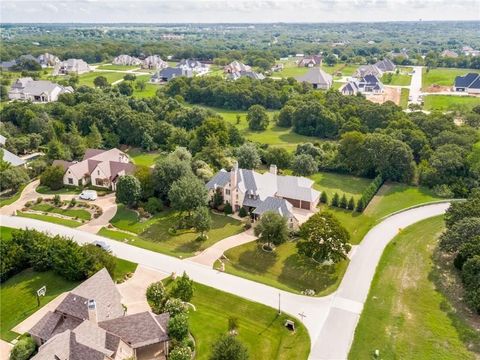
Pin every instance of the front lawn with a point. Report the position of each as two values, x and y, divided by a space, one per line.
118 67
331 183
283 268
74 213
153 234
396 79
404 316
450 102
260 327
52 219
44 190
87 78
19 300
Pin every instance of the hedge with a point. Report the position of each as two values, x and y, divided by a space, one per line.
369 193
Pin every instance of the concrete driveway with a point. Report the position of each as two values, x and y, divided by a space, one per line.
5 348
330 320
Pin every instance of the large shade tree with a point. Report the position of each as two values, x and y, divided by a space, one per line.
187 194
271 229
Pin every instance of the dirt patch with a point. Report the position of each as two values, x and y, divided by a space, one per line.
390 94
437 88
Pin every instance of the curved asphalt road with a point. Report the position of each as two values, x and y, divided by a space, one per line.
330 320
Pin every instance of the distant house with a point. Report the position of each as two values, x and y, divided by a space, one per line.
170 73
277 67
318 78
448 54
259 193
193 65
310 61
27 89
7 65
126 60
377 69
90 324
386 65
46 60
101 168
235 67
71 66
469 83
250 74
368 84
154 62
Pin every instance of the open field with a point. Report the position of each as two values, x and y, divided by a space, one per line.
117 67
292 70
396 79
442 76
450 102
87 79
260 327
149 91
154 233
404 316
284 268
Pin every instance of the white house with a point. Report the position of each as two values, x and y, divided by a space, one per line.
71 66
27 89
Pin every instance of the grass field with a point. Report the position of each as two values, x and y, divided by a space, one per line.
404 314
74 213
52 219
342 184
404 93
118 67
273 135
153 234
292 70
450 102
142 158
442 76
397 79
260 327
7 200
149 91
87 79
284 268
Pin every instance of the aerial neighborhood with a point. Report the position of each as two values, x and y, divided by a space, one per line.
183 190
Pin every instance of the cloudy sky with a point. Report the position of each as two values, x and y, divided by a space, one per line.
228 11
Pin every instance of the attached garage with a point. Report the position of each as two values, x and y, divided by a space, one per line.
296 203
305 205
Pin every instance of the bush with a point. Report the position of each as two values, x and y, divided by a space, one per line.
178 327
39 200
343 202
183 288
72 203
153 205
180 352
351 204
52 177
242 212
57 201
335 200
370 191
175 307
157 297
23 349
229 347
360 205
324 198
228 209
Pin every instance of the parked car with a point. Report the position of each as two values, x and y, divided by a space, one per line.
102 244
88 195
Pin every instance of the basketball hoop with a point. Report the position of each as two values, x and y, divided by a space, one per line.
41 292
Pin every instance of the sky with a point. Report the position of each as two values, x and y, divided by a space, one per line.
234 11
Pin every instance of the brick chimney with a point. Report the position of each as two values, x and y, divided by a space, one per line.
92 310
273 169
233 175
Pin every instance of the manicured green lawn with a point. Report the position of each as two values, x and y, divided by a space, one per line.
397 79
149 91
118 67
340 183
404 316
87 79
442 76
142 158
153 234
260 327
123 268
74 213
293 70
4 201
52 219
394 196
284 268
41 189
273 135
18 295
357 224
449 102
404 93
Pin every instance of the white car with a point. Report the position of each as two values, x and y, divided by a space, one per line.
88 195
103 245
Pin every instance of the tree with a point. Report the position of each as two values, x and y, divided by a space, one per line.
467 251
343 202
242 212
153 205
157 297
257 118
140 85
460 210
285 116
76 142
129 77
97 259
248 156
168 170
351 204
12 178
100 81
304 165
460 233
125 88
52 177
278 156
57 151
324 239
336 200
471 280
94 138
360 205
183 288
228 347
144 174
201 221
271 229
324 198
178 327
187 194
129 190
23 349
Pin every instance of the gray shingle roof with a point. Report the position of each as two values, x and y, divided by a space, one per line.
316 76
12 159
280 206
220 179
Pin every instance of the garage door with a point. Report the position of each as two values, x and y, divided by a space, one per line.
294 202
306 205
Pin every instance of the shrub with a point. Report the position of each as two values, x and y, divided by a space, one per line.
343 202
183 288
175 306
228 209
23 349
351 204
52 177
370 191
178 327
229 347
72 203
360 205
324 198
248 224
39 200
180 352
153 205
57 201
242 212
335 200
157 297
